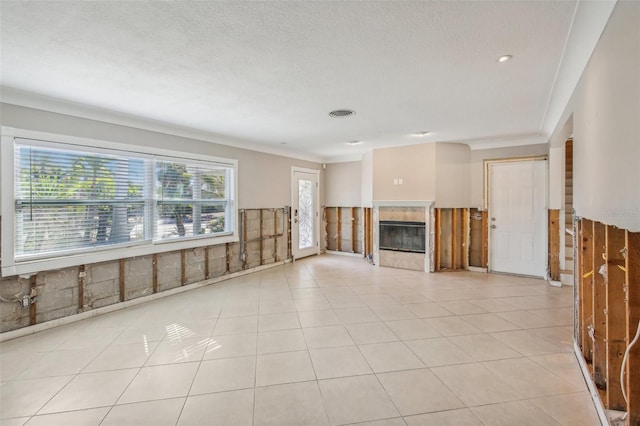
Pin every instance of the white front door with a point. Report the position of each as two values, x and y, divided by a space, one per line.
305 215
518 217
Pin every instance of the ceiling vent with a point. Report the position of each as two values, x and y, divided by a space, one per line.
341 113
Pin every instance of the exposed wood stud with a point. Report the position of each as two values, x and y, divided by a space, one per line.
586 286
454 239
339 230
122 279
632 278
228 257
370 225
485 239
82 279
554 244
244 255
599 308
33 306
275 235
354 242
155 272
466 237
436 251
616 330
183 267
206 262
261 242
579 323
365 232
289 236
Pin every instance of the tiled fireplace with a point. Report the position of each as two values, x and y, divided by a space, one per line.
402 237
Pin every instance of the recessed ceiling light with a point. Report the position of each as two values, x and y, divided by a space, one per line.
354 143
504 58
423 133
341 113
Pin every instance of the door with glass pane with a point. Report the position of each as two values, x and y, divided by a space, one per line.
304 213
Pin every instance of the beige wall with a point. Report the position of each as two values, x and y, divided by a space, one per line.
414 164
264 180
366 179
476 170
342 184
452 175
606 124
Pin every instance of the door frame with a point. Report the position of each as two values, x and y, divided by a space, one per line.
294 188
487 189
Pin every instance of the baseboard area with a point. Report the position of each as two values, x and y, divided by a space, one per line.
25 331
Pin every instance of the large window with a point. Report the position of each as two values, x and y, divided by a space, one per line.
79 201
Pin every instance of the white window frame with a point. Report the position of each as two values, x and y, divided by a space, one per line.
12 267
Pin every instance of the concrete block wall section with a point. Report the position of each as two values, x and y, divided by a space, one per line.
169 270
217 261
59 291
102 285
195 267
235 263
138 277
57 294
12 315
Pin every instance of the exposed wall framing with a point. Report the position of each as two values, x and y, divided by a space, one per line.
608 312
264 239
368 232
477 238
554 245
452 238
345 229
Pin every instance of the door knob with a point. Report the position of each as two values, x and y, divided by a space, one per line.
493 227
493 219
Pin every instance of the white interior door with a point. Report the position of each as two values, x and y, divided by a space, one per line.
305 214
518 217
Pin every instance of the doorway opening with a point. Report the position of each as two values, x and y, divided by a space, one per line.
305 218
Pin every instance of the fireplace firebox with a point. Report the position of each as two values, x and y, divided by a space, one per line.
403 236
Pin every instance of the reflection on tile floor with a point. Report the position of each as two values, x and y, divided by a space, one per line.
328 340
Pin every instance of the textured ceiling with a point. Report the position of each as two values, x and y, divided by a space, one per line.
269 72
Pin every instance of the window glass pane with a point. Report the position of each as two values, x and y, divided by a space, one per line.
67 199
305 213
72 199
191 199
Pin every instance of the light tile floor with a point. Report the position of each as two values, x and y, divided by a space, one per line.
326 340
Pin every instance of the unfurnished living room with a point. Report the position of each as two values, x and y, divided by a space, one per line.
320 213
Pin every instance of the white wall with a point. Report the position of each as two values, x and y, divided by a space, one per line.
343 184
452 175
476 168
264 180
606 123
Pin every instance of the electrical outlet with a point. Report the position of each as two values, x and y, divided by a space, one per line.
26 301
